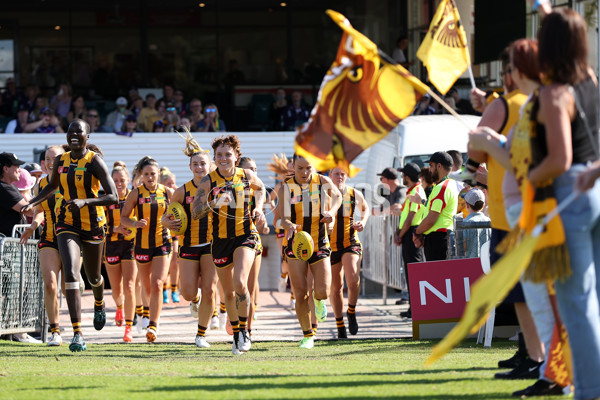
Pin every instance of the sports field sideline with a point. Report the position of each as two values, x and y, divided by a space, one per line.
275 321
380 362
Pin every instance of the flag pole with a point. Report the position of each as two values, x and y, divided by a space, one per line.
473 86
448 108
385 57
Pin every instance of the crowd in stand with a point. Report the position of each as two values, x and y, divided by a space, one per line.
29 111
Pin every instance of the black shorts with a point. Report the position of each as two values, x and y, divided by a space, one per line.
336 256
318 254
222 249
144 256
96 235
117 251
44 244
194 253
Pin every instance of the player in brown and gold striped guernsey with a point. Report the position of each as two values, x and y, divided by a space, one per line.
226 193
118 254
152 240
303 203
80 226
195 259
346 252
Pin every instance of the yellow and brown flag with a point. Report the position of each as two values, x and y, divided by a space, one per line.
361 99
444 50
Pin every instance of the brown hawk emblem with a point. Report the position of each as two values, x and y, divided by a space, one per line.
448 33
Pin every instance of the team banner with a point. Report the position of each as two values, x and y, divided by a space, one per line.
444 50
361 99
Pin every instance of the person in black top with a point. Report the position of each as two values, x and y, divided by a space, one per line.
11 200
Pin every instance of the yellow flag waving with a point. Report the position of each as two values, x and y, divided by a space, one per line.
361 99
486 293
444 51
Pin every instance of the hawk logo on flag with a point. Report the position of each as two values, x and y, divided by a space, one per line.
444 50
361 99
449 35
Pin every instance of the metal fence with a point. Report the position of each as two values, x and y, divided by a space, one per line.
21 287
382 259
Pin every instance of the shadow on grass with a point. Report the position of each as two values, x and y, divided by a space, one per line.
54 388
299 382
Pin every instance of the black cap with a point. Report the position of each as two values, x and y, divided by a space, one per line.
9 159
441 157
131 117
389 173
23 107
411 170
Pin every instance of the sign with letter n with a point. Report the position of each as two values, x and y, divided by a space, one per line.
439 291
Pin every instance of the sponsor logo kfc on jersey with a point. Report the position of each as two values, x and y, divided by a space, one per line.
142 257
221 261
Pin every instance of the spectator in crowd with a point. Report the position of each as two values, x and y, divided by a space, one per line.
31 94
234 76
40 103
129 127
457 162
11 98
62 101
137 104
25 183
399 53
168 92
34 170
457 159
449 100
11 201
92 117
115 119
424 106
147 113
18 124
461 210
178 101
184 124
277 109
171 117
463 106
426 180
433 231
408 223
295 114
397 193
48 123
195 113
133 94
159 126
475 238
211 121
77 110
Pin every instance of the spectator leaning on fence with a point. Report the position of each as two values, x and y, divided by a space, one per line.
11 200
433 231
474 238
389 178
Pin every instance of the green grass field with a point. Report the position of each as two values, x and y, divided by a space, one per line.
356 369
